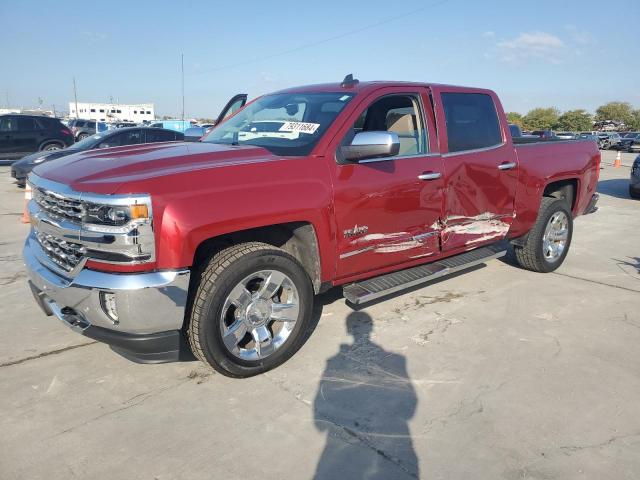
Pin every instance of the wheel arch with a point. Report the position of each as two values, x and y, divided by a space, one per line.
565 188
44 143
298 239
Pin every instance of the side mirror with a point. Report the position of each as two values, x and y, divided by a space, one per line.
371 145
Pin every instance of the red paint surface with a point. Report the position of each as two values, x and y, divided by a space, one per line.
200 191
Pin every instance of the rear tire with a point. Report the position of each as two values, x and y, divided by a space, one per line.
82 136
633 193
234 325
548 241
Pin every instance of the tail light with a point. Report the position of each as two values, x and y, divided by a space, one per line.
66 131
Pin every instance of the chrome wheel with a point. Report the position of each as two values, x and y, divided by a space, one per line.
556 234
259 315
50 148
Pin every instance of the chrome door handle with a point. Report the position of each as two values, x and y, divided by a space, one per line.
430 176
507 166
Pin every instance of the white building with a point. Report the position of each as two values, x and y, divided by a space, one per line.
112 112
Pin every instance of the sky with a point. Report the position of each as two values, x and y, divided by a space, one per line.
567 54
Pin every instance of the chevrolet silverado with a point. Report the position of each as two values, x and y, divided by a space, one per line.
218 247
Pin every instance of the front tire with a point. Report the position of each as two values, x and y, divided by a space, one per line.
82 136
50 147
251 311
548 241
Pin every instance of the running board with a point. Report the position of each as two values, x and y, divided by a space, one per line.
373 288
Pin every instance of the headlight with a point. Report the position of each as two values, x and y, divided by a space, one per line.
113 215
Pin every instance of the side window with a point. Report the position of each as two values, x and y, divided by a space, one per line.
132 137
91 124
160 136
7 124
395 113
472 121
26 124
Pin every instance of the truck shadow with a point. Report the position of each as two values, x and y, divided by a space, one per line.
614 187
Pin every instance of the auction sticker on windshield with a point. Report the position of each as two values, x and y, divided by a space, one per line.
301 127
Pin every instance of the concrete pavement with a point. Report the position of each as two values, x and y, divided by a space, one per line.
496 373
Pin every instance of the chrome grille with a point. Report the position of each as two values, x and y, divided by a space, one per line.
64 254
58 206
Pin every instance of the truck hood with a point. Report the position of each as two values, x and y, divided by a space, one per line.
107 171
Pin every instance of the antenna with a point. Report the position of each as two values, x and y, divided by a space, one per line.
349 81
182 69
75 96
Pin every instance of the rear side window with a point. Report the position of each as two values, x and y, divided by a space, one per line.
472 121
26 124
160 136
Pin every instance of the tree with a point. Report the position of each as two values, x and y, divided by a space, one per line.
541 118
574 121
616 111
635 122
515 117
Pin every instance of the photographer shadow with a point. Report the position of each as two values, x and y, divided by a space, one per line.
364 402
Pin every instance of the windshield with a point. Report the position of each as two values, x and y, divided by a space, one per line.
284 123
89 142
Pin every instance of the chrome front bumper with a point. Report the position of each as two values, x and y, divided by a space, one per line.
147 304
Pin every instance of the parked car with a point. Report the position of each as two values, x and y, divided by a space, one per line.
124 124
515 130
566 135
222 244
176 125
107 139
546 134
634 184
84 128
21 135
634 145
626 140
194 134
608 140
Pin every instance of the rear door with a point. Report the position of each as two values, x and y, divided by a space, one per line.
386 209
26 139
480 168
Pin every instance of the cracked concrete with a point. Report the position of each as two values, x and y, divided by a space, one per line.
498 373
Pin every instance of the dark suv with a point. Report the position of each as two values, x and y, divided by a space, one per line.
21 135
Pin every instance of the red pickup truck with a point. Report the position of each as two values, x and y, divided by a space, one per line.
218 247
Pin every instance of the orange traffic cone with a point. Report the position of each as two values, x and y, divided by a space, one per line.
27 198
618 162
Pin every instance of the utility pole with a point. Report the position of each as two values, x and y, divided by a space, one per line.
7 94
182 69
75 96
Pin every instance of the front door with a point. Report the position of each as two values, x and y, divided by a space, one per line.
8 127
387 209
480 169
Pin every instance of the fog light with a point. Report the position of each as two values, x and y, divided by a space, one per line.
108 304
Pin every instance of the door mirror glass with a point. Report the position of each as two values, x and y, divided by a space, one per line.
374 144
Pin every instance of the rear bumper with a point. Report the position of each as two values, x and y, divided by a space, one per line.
149 307
591 207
